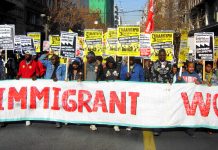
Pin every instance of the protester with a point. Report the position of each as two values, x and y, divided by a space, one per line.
174 73
123 70
54 71
147 70
2 69
28 69
111 72
91 67
190 76
75 70
100 73
42 68
2 77
160 70
11 66
91 73
137 71
160 73
210 77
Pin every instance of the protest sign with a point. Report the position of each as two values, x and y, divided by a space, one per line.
46 46
177 105
80 47
36 40
216 49
7 33
111 41
161 40
94 41
145 45
204 46
128 40
54 42
23 43
68 44
183 48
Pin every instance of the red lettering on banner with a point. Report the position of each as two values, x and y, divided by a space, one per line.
84 103
133 96
34 92
56 99
1 98
215 104
114 100
197 101
65 98
17 96
99 102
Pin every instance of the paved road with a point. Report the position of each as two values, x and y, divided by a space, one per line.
44 136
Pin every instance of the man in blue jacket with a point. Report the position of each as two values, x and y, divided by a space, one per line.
54 70
137 72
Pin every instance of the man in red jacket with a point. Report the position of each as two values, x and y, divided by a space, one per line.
28 68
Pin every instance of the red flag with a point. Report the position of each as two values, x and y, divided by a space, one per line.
149 26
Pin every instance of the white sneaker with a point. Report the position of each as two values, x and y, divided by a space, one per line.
128 128
28 123
116 128
58 125
93 127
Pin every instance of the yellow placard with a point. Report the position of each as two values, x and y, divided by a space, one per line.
128 40
111 44
36 39
54 40
93 34
162 40
93 41
183 54
81 42
161 37
216 41
184 35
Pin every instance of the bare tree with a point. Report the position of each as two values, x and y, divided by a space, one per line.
66 15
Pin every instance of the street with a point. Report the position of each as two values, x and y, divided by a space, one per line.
45 136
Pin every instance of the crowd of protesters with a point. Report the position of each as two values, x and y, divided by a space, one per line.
48 66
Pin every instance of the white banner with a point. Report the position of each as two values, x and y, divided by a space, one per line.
144 105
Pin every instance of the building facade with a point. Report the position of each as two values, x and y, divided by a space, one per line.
24 14
203 16
106 10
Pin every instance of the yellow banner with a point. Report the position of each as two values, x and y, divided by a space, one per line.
161 40
93 41
36 39
128 41
111 44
